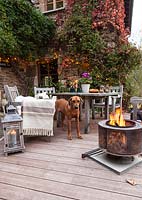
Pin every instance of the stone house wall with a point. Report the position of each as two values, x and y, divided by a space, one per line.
8 77
15 76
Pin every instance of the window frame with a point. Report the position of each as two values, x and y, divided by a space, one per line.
55 6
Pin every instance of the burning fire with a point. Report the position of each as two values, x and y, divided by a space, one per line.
12 132
116 118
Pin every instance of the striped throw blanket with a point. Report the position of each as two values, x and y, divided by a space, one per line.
38 117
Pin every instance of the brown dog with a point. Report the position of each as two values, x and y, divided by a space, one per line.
70 109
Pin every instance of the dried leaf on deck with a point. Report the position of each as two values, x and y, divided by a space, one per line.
131 181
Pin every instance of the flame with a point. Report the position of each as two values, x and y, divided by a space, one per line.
116 118
12 132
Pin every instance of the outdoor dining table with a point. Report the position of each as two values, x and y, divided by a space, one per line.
87 98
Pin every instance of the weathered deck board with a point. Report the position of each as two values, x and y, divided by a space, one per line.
73 179
69 190
55 170
9 192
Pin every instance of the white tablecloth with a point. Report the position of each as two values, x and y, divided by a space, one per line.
38 116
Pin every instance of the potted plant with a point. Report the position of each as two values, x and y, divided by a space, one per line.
85 81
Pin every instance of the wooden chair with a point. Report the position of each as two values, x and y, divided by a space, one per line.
135 101
48 91
114 101
11 92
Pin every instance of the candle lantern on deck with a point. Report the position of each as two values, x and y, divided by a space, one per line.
12 130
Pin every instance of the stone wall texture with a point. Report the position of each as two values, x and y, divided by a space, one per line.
9 77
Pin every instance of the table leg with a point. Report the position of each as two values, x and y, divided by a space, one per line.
135 110
107 107
87 115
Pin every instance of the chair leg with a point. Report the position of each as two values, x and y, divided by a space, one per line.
93 109
4 109
102 111
93 112
80 116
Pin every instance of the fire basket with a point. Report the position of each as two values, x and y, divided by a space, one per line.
120 141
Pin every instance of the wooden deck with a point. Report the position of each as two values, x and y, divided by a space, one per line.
55 171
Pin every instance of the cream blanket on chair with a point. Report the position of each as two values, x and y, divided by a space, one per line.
38 117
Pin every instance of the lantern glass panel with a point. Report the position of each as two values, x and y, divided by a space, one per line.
13 136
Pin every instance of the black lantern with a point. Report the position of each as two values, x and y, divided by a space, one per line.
12 129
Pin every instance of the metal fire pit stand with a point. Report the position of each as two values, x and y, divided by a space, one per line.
118 164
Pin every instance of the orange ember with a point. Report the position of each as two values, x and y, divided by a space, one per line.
116 118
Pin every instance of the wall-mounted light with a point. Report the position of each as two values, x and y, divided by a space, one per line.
35 1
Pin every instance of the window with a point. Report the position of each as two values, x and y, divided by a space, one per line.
55 5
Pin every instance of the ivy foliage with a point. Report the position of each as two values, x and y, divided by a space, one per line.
24 31
77 33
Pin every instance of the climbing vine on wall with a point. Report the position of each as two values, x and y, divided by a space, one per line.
95 31
111 12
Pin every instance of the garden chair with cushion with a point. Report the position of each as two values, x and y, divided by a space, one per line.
37 114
